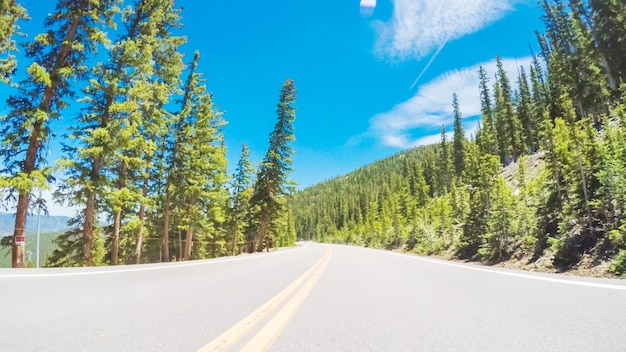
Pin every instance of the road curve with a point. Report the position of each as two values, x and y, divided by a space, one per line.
341 299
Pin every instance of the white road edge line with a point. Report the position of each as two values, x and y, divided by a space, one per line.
158 267
506 273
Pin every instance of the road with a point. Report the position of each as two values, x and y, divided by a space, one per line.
310 298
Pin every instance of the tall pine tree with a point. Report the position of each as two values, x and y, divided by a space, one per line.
272 178
59 55
241 192
458 148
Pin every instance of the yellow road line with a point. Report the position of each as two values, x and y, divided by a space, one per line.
239 330
270 332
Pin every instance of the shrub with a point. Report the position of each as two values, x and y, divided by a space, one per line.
619 264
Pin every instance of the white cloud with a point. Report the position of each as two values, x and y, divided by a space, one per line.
431 107
420 26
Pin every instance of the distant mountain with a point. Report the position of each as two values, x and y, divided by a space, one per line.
48 224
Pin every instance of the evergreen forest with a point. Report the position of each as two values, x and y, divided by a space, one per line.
544 178
144 158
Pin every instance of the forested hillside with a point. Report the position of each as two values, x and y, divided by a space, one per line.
453 198
144 157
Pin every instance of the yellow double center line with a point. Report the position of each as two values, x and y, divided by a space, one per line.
268 334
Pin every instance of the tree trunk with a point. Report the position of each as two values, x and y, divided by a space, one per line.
235 233
19 232
180 245
168 207
142 215
88 228
116 237
139 239
117 222
262 228
166 229
89 213
188 242
167 210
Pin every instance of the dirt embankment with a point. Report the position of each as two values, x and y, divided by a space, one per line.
587 266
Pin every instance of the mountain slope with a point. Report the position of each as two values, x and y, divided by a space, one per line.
48 224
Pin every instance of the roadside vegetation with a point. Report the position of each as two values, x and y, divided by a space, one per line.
543 182
144 157
47 246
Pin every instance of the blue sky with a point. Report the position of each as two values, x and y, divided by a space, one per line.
354 63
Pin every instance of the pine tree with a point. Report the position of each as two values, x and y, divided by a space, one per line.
574 63
480 175
611 175
124 93
162 81
430 172
458 149
506 114
241 192
538 86
153 67
486 137
503 223
444 179
197 176
610 35
527 114
501 127
585 11
422 189
75 29
541 102
525 208
12 12
580 162
592 89
272 178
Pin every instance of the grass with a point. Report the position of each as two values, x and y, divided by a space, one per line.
47 246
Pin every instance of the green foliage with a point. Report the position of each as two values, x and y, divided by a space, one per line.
74 31
618 267
529 244
272 184
458 149
486 138
12 13
508 124
241 191
151 173
444 169
503 223
571 196
47 246
129 159
480 177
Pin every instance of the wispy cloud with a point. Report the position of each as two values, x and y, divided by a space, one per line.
367 7
420 26
411 123
430 62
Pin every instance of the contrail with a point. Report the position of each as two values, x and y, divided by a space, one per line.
430 62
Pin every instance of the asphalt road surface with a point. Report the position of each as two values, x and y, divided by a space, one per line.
309 298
